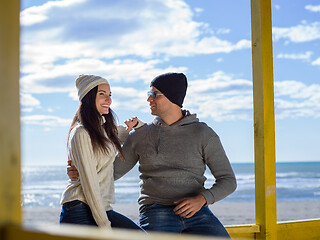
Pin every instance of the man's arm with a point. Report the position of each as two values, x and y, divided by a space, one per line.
72 172
225 184
220 167
122 166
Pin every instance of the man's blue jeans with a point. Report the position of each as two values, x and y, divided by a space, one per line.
161 218
78 212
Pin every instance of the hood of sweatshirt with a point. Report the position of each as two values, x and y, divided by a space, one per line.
187 119
162 127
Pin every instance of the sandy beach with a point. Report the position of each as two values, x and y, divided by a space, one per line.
229 213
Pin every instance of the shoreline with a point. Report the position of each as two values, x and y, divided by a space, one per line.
229 213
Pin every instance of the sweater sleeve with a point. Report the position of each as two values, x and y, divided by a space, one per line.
219 165
122 166
84 160
122 132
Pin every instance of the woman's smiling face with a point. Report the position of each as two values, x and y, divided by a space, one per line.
103 99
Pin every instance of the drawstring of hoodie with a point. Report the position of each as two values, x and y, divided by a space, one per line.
159 137
158 122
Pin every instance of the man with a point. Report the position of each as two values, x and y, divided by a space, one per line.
173 152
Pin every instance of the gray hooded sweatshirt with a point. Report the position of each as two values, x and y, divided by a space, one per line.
173 159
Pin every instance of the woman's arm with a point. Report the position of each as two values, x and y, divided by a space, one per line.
132 123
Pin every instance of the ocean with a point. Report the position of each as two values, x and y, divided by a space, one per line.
296 181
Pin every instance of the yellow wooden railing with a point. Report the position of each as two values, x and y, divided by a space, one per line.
266 226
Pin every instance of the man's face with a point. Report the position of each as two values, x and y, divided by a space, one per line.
159 104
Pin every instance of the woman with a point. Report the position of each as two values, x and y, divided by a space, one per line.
92 146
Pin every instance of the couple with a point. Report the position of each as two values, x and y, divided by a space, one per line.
173 152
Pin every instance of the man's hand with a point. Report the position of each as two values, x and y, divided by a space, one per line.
187 207
131 123
72 172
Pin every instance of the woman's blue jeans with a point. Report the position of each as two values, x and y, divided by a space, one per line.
161 218
77 212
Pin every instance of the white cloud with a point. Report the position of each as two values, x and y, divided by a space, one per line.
300 33
293 89
26 110
114 30
223 97
132 43
198 10
316 62
37 14
46 120
74 95
295 99
61 77
223 31
128 98
120 28
294 56
313 8
27 100
220 97
61 39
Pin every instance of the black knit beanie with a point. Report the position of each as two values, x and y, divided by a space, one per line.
172 85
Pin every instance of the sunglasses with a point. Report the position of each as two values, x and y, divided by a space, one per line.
154 94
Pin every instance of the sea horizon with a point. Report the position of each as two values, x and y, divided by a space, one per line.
33 164
42 186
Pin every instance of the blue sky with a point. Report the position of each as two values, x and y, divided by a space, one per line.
129 42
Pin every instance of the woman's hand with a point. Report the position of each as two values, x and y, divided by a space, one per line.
131 123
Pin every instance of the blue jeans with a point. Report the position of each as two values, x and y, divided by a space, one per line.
161 218
77 212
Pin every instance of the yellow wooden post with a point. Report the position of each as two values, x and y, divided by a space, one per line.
10 208
265 228
264 135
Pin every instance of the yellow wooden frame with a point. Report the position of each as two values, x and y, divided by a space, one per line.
266 226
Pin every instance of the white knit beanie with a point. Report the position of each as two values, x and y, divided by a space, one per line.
85 83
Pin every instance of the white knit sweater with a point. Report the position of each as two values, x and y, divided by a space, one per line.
95 186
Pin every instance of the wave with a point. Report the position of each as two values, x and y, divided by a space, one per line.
43 186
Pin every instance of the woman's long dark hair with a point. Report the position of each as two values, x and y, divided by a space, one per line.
90 118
